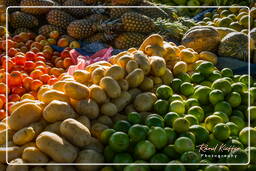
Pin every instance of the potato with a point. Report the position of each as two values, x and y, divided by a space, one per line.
111 87
119 117
124 85
24 136
147 84
89 156
85 121
51 95
34 155
134 92
30 144
37 168
54 128
131 65
154 40
116 72
76 90
97 75
96 145
143 62
42 90
122 61
8 144
135 78
170 52
3 135
122 101
58 111
2 167
16 165
13 153
75 132
108 109
98 94
167 77
55 167
82 76
158 66
87 107
144 102
180 67
56 147
157 80
106 120
38 126
59 86
130 108
97 129
24 115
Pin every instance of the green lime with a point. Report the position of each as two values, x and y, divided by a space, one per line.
171 135
175 97
221 131
252 111
172 167
119 141
144 150
205 68
223 85
190 157
154 121
198 112
202 94
189 135
214 76
211 121
224 107
169 118
164 92
170 151
246 79
238 113
251 167
161 107
252 154
122 126
122 158
234 143
253 91
223 116
107 168
175 84
216 96
187 89
238 121
177 106
214 168
184 144
181 125
108 154
200 132
184 77
134 168
244 133
239 156
234 99
238 87
158 137
197 78
246 96
158 158
105 135
135 118
192 119
234 129
226 72
137 133
191 102
206 83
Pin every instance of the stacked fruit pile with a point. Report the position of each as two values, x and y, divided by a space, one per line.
133 109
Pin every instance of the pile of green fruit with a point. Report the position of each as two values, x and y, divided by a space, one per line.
209 107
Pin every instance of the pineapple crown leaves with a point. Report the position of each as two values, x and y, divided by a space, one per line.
107 26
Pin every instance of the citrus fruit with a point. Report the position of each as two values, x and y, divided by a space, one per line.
245 98
241 156
202 94
107 168
192 119
178 167
223 85
189 135
214 76
244 133
224 107
186 89
253 91
134 167
169 118
200 132
154 121
238 121
252 111
181 125
238 113
144 150
211 121
234 143
191 102
223 116
252 154
246 79
190 157
198 112
184 144
238 87
170 151
164 92
161 107
134 118
205 68
234 129
108 154
158 158
122 158
216 96
214 168
227 72
122 125
158 137
137 133
105 135
175 84
177 106
119 141
206 83
171 135
234 99
175 97
184 77
221 131
197 78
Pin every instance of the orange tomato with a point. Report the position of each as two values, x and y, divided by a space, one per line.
27 82
13 98
45 78
52 81
36 74
19 90
67 62
36 84
2 114
29 66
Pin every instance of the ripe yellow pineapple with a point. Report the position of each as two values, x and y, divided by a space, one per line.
80 29
77 12
128 39
59 18
20 19
46 29
36 11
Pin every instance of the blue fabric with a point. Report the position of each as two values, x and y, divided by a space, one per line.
200 16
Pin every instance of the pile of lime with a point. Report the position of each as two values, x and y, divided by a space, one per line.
208 107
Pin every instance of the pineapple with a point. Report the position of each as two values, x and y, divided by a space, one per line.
118 12
59 18
7 3
36 11
80 29
46 29
127 40
100 37
77 12
97 18
126 2
152 12
89 2
20 19
19 30
135 22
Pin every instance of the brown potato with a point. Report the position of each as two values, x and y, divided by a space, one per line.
54 128
87 107
82 76
95 145
10 133
131 65
130 108
13 153
85 121
147 84
34 155
76 90
97 129
98 94
51 95
158 66
24 136
38 126
116 72
167 77
108 109
37 168
97 75
135 78
14 166
144 102
122 101
134 92
122 61
123 84
106 120
143 62
111 87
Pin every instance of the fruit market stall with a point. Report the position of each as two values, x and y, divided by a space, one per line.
126 85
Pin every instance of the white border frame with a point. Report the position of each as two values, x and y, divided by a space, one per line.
125 164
